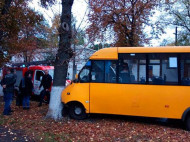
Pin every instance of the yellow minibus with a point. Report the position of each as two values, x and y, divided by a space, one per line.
135 81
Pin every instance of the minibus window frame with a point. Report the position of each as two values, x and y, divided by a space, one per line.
103 71
179 68
147 58
184 56
147 69
161 57
116 61
104 61
79 80
129 57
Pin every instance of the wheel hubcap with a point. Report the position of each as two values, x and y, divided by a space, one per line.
78 110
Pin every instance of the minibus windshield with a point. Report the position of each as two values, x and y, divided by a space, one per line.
85 72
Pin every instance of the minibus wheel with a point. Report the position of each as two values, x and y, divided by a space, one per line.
77 111
187 122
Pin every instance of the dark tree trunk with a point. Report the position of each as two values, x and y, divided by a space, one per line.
64 51
61 62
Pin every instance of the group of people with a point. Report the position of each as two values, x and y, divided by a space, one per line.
25 89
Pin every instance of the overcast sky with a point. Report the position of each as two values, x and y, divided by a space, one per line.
79 11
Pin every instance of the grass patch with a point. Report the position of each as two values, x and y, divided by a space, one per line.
3 120
49 137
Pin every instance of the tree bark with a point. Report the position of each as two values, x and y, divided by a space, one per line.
64 52
61 62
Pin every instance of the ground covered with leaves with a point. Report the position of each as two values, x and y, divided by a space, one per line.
94 128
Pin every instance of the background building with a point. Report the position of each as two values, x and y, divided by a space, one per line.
45 56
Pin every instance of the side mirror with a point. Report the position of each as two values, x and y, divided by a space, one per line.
76 79
76 76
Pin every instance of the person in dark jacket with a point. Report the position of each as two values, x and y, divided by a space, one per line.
46 83
8 89
26 87
13 71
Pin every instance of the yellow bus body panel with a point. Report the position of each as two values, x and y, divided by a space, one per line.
77 92
130 99
105 54
112 52
168 49
139 100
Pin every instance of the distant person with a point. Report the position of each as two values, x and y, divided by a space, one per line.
46 83
7 83
125 74
26 87
125 68
13 71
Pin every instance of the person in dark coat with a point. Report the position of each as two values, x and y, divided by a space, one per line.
13 71
8 89
26 87
46 83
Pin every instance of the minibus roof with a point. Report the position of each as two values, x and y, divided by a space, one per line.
112 52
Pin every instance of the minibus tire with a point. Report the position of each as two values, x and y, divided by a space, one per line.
187 122
77 111
65 111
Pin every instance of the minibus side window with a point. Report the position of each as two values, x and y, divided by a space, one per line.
97 72
132 68
163 69
110 71
84 75
185 69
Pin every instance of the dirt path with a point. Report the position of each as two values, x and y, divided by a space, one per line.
9 135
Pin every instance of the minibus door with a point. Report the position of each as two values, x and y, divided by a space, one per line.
83 86
105 94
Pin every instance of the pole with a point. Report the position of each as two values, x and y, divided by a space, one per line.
176 36
74 66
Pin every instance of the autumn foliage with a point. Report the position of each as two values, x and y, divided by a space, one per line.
123 21
20 28
98 128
